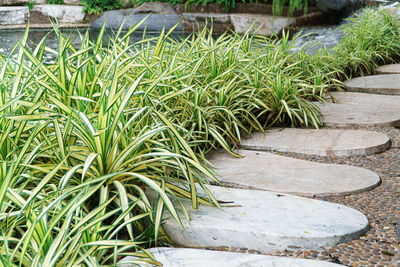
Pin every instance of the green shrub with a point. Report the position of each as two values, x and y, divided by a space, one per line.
371 39
97 145
294 5
55 2
99 6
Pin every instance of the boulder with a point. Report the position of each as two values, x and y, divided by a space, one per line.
196 21
72 2
20 2
260 24
155 8
342 7
13 15
130 17
62 13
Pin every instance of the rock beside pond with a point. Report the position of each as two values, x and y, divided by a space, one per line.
13 15
260 24
158 16
155 8
339 6
154 22
20 2
62 13
72 2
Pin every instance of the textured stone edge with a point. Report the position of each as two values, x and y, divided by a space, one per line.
372 90
312 244
300 194
344 125
338 153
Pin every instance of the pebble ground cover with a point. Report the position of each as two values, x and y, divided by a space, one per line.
82 138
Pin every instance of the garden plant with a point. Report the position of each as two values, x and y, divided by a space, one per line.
98 146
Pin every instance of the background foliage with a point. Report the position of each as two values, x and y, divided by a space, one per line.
99 6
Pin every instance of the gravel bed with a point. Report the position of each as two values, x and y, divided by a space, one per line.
380 246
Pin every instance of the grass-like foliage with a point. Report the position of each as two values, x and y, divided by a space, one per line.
97 145
85 139
371 39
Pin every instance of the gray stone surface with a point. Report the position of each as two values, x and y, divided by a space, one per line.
130 17
260 24
20 2
319 142
388 84
398 229
155 8
358 109
206 17
339 6
72 2
388 69
13 15
62 13
266 221
186 257
271 172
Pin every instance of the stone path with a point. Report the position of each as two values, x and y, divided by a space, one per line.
388 84
380 246
329 228
388 69
266 221
318 142
267 171
184 257
358 109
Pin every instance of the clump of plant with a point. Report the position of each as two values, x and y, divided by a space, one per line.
30 5
277 5
96 146
55 2
99 6
370 39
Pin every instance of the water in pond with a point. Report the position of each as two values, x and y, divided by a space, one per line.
322 36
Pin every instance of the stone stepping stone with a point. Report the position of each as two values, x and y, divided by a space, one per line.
388 84
319 142
266 222
358 109
388 69
267 171
186 257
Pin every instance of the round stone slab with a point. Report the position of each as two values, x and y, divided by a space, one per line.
186 257
265 221
358 109
388 84
319 142
267 171
388 69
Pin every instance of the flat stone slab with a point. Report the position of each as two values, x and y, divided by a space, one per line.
358 109
260 24
186 257
388 69
13 15
266 221
62 13
271 172
387 84
319 142
132 16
